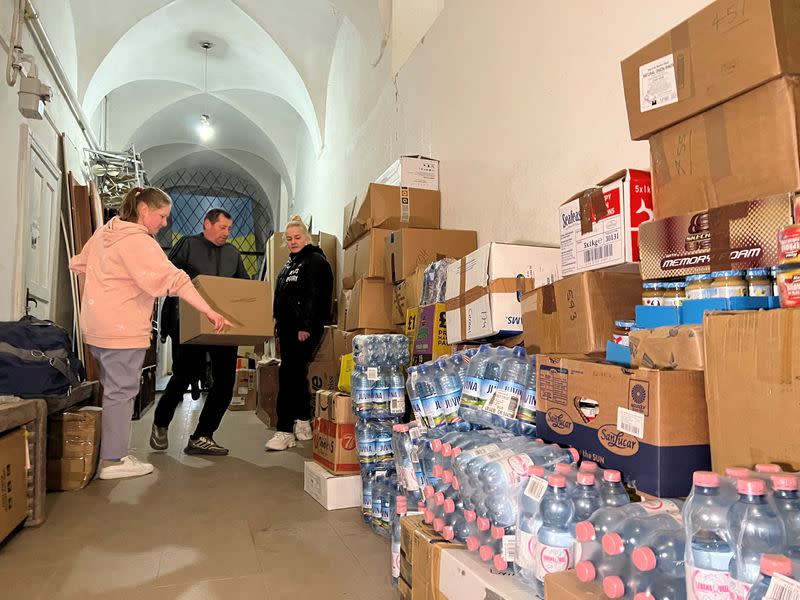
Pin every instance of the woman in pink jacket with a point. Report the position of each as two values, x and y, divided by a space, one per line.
125 270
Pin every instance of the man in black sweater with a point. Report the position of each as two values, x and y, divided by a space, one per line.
206 253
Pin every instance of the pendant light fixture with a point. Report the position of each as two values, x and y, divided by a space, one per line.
204 129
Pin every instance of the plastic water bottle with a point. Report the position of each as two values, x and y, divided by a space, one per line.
554 539
380 393
456 365
366 437
384 457
527 409
361 390
665 554
610 518
507 398
401 508
708 553
770 565
787 501
397 396
528 523
612 491
754 528
409 471
635 531
472 397
413 397
367 479
449 390
488 386
586 496
426 390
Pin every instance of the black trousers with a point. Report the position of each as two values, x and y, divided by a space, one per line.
190 366
294 398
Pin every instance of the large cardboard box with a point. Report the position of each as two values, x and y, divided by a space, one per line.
267 392
391 207
245 396
333 345
323 375
720 52
370 305
428 548
576 314
415 171
13 481
739 236
746 148
330 491
650 425
463 576
600 226
343 308
483 288
335 433
246 304
277 253
408 249
407 294
678 347
567 586
73 448
430 333
365 258
753 387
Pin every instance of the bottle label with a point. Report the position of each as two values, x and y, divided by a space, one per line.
434 417
536 488
395 564
552 559
760 290
366 504
409 479
740 589
709 585
366 450
487 388
372 373
660 506
731 291
380 397
484 450
450 402
783 588
505 400
362 401
525 551
383 449
471 392
498 454
516 467
397 401
527 409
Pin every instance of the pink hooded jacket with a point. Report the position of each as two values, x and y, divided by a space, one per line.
125 270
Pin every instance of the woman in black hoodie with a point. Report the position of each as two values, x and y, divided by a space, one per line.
302 304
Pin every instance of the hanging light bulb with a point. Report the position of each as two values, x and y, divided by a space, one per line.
204 130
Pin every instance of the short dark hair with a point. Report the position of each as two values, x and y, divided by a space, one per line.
213 215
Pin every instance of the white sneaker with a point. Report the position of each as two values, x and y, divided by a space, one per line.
280 441
302 431
129 466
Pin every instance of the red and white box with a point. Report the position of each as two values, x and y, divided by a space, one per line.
600 226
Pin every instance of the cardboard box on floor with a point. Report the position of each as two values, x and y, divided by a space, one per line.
334 433
679 347
576 314
415 171
718 53
330 491
483 288
13 481
245 396
408 249
333 345
407 294
753 387
428 548
267 392
650 425
73 448
408 525
365 258
600 226
567 586
463 576
323 375
245 303
277 253
746 148
370 305
391 207
738 236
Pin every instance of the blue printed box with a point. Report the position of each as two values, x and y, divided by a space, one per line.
650 425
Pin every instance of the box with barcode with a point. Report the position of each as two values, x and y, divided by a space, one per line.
650 425
600 226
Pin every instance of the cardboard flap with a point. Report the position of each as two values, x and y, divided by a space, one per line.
592 208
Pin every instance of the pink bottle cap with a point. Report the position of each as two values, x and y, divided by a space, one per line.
768 468
538 441
644 596
737 472
447 477
449 506
470 516
536 470
498 532
776 563
574 454
428 491
563 468
457 451
612 476
483 524
584 531
447 450
614 587
500 563
436 445
472 543
644 558
438 499
751 487
428 515
399 427
438 524
585 571
557 481
487 553
705 479
586 478
421 506
613 544
448 533
784 483
438 470
589 466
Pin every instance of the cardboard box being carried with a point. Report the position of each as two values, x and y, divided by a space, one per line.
330 491
370 305
245 396
576 314
390 207
407 294
600 226
267 392
408 249
746 148
73 448
365 258
678 347
484 287
13 481
415 171
650 425
753 387
739 236
335 434
277 254
245 303
720 52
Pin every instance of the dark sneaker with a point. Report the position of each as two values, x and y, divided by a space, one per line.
159 440
205 445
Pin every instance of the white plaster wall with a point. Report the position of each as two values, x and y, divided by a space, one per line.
521 100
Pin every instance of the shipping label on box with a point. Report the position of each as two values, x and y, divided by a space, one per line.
483 289
430 337
650 425
415 171
600 226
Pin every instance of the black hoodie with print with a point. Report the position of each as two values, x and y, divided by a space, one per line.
303 292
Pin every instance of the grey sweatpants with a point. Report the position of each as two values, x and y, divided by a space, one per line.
120 374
